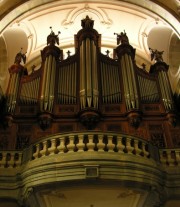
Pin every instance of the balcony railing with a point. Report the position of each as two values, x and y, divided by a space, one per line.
90 142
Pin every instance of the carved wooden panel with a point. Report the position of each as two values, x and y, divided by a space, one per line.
3 141
22 141
65 128
175 134
114 127
157 135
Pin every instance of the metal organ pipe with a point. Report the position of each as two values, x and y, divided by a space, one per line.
165 90
47 94
110 81
51 84
82 75
67 83
129 82
125 83
168 90
162 90
94 75
12 92
88 75
134 83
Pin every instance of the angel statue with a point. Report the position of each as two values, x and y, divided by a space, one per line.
156 55
19 57
52 39
122 38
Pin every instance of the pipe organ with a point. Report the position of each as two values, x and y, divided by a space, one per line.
89 90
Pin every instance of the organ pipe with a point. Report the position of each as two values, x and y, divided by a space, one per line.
88 75
48 82
148 89
165 90
160 68
12 92
67 84
130 88
125 83
110 81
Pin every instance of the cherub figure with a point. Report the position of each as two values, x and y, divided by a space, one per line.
156 55
122 38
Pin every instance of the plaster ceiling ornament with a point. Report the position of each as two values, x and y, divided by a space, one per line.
77 13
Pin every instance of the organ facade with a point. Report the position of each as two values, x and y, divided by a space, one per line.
89 90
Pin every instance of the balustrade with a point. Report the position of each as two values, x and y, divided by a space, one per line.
170 157
89 142
10 159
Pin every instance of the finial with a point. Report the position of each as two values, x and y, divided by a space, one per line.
33 67
107 53
68 53
143 66
156 55
122 38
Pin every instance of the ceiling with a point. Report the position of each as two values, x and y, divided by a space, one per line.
92 197
25 24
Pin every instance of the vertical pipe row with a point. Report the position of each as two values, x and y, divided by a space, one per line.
162 90
51 85
140 81
125 83
103 82
145 89
88 73
134 83
43 84
12 93
130 82
168 90
48 83
67 84
47 95
94 76
74 81
82 75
